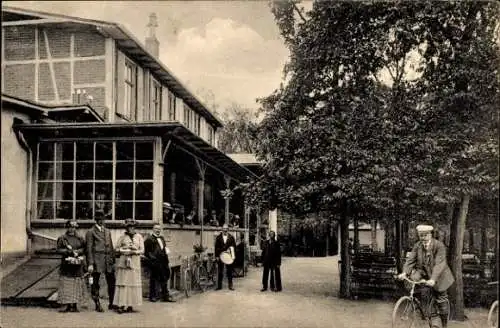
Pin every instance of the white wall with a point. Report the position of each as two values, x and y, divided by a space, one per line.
14 184
365 238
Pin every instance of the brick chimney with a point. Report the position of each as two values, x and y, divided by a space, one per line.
152 43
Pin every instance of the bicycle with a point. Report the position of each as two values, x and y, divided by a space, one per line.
408 309
199 273
493 312
208 275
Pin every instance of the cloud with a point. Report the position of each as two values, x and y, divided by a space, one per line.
231 59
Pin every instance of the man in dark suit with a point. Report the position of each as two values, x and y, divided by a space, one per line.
271 260
224 242
156 253
101 259
427 260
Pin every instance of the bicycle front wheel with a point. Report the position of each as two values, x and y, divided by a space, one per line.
187 277
404 313
493 315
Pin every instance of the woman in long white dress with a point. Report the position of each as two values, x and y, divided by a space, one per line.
130 246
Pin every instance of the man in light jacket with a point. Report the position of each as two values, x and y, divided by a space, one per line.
427 260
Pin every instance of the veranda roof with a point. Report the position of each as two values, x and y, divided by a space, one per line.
172 130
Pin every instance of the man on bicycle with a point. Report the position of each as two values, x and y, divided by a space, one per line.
427 260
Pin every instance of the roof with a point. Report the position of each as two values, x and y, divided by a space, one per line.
126 41
245 158
168 130
76 112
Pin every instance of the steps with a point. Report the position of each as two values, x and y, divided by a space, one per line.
32 282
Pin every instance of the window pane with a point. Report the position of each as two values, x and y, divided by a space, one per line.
64 171
103 191
45 171
104 151
45 210
104 171
64 190
143 210
124 170
144 191
46 151
124 150
124 191
84 191
104 207
123 210
64 210
144 150
45 190
83 210
64 151
84 151
84 171
144 170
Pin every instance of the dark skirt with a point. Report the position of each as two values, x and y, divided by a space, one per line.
71 290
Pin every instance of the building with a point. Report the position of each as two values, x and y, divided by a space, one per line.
93 121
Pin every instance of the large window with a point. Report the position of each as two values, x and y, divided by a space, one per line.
130 96
78 179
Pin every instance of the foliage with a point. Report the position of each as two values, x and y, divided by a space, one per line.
369 112
239 132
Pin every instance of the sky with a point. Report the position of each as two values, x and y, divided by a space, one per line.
225 52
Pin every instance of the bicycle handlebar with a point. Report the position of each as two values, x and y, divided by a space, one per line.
420 282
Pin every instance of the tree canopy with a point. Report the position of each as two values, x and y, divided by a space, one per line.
390 105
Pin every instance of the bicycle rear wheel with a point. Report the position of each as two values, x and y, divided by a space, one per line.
202 278
214 271
187 279
404 313
432 306
493 315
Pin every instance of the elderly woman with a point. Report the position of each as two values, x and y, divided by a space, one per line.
130 247
71 283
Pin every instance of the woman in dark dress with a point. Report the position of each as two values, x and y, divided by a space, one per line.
71 283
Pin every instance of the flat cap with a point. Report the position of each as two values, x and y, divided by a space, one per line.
424 228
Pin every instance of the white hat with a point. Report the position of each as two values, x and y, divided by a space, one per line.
424 228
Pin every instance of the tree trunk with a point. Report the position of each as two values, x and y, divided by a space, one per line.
456 247
374 235
472 248
356 234
398 250
484 242
345 269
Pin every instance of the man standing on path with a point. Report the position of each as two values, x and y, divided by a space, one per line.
101 259
224 242
427 260
271 260
156 253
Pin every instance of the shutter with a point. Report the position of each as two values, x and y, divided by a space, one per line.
120 94
140 95
164 104
179 110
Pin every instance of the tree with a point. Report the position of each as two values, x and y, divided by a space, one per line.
240 123
461 84
239 131
336 138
